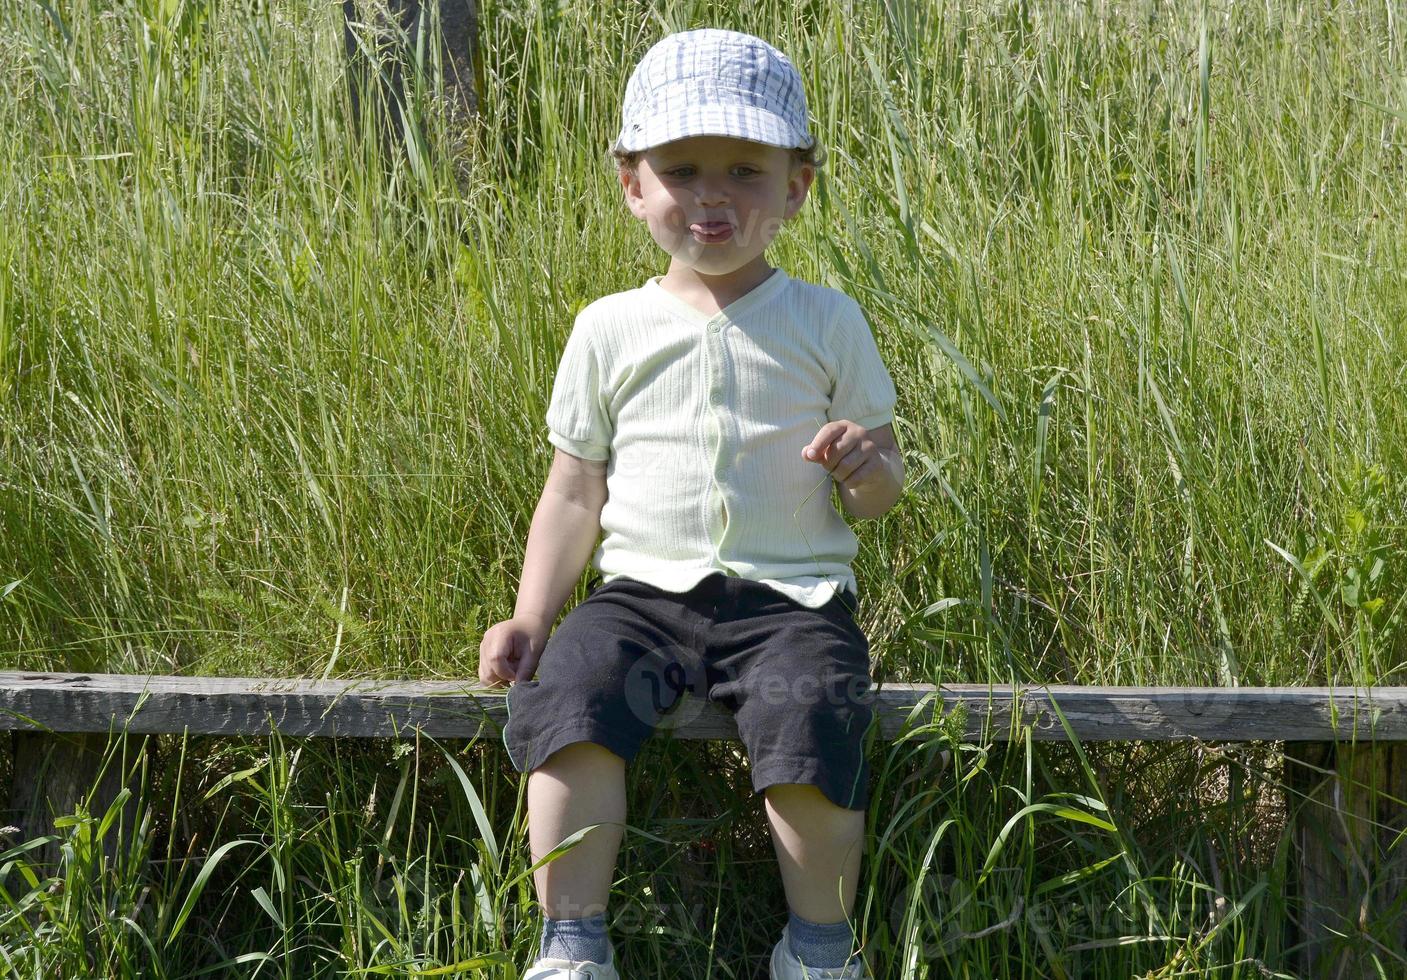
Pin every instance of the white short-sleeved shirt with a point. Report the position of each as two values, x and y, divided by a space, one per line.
702 420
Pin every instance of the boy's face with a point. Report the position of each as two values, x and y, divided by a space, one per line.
714 203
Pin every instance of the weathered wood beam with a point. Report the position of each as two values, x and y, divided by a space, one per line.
455 709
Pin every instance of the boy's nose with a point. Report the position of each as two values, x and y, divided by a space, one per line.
711 197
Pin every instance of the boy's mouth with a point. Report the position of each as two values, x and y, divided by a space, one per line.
712 231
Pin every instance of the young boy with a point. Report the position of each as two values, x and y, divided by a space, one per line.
699 421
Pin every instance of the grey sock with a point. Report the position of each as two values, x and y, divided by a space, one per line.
575 939
820 946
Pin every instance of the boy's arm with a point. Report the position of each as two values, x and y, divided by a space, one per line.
563 536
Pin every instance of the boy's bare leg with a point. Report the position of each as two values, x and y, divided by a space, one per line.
819 846
579 785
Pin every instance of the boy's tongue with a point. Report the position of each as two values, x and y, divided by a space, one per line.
712 230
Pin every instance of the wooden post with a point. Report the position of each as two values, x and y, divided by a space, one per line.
461 70
54 774
1346 802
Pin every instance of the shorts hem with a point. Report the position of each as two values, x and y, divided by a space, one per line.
799 769
545 743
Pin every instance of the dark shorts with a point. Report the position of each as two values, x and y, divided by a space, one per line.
796 680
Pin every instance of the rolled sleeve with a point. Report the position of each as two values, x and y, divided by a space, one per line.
862 391
577 420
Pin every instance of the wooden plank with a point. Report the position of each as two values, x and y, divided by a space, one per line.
455 709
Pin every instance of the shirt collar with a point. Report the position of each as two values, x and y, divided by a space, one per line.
754 298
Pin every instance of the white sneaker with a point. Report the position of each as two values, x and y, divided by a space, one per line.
786 966
549 968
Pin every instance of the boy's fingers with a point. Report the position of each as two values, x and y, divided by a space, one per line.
849 469
522 647
828 433
489 673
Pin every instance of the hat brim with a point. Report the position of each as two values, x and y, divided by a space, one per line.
740 122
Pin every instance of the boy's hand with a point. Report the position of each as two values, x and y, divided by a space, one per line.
850 454
510 651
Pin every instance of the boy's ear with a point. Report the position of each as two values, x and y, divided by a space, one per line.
798 183
630 186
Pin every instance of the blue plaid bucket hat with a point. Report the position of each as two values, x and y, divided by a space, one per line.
711 82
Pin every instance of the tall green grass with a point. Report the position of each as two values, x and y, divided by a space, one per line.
271 403
1137 271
